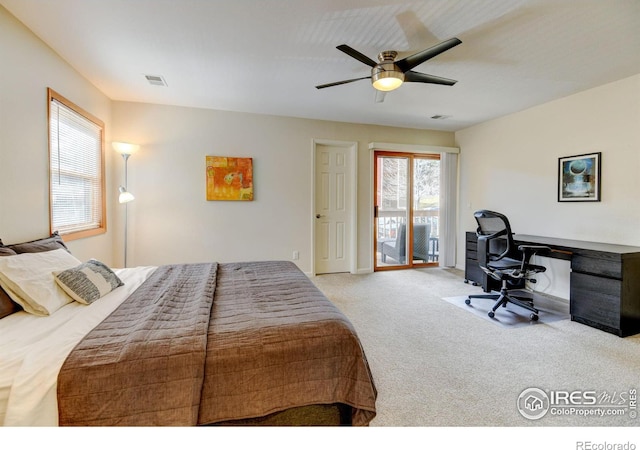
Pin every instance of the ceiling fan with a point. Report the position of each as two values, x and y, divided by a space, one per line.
388 74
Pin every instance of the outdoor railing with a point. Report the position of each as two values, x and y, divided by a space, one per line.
390 220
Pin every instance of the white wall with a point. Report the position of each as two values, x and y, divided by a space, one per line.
171 221
28 67
511 165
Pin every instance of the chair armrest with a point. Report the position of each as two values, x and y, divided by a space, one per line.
483 246
529 250
533 247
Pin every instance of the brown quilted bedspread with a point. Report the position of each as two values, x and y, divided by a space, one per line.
144 364
276 342
269 341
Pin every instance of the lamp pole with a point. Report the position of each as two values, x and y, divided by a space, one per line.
126 206
125 196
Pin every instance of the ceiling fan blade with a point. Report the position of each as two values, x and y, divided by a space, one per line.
412 61
337 83
418 77
357 55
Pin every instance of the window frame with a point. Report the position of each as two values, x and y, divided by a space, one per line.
101 228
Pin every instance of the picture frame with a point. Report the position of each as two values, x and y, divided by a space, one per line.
579 178
229 178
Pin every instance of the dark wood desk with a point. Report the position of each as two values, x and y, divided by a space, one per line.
604 280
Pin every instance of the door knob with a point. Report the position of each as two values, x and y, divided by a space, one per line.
318 216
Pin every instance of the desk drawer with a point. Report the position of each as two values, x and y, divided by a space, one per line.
473 272
603 267
596 299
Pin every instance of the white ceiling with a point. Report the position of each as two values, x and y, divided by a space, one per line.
266 56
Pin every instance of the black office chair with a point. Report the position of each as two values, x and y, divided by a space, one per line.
499 258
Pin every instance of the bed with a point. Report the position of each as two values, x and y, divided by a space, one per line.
180 345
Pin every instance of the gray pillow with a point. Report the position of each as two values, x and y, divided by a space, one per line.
7 306
53 242
88 282
5 251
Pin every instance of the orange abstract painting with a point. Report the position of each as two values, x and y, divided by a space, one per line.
229 178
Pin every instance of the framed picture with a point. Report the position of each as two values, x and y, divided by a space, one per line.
579 178
229 178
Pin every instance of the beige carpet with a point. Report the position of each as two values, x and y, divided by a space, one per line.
436 364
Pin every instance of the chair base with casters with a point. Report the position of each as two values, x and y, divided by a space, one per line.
505 297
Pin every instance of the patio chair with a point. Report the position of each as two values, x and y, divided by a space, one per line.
396 249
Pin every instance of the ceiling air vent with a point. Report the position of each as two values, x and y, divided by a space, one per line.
155 80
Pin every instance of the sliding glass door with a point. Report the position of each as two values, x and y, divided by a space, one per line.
407 204
391 212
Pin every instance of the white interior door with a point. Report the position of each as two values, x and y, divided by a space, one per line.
334 204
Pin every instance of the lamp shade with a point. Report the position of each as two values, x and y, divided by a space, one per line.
125 196
125 148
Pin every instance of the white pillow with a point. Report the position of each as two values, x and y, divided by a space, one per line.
29 281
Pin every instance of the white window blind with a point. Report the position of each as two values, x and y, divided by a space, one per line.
76 170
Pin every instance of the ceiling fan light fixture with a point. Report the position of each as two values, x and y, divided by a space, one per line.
388 81
389 74
386 76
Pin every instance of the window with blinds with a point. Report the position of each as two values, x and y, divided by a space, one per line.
76 171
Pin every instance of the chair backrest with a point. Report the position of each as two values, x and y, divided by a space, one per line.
493 225
401 240
421 232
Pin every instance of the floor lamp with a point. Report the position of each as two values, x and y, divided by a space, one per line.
126 150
